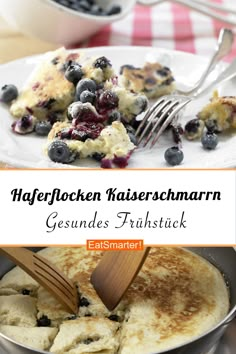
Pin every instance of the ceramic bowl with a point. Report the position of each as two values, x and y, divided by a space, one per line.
51 22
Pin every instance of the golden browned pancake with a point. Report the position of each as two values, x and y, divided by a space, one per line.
153 79
176 297
220 112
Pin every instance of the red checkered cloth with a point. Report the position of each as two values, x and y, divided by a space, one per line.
167 25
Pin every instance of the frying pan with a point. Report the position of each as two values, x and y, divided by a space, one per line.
224 258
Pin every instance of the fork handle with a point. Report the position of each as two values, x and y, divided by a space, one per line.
20 256
226 75
225 42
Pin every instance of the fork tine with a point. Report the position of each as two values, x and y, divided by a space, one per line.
64 289
150 117
46 275
152 114
53 276
54 270
147 115
70 302
170 104
169 120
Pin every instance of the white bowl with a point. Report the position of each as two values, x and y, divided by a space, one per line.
49 21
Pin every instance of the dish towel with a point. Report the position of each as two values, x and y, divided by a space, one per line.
167 25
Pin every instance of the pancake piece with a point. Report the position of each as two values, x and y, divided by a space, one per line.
48 306
153 79
220 113
17 281
40 338
46 92
18 310
87 335
112 142
8 291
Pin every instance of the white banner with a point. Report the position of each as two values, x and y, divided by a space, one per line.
158 207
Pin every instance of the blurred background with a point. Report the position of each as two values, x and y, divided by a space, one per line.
168 25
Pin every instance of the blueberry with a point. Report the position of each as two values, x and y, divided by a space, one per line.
87 96
121 161
174 156
102 63
129 129
212 126
43 321
85 85
74 72
114 318
114 10
108 100
131 132
47 104
135 123
24 125
165 71
113 116
192 126
71 318
96 10
58 151
55 60
82 112
133 138
193 129
88 341
43 128
98 156
79 135
106 163
65 133
177 131
25 292
84 302
209 140
141 102
84 5
8 93
126 66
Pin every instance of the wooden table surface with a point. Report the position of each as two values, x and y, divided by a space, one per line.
14 45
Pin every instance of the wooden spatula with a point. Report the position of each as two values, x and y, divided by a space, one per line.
115 273
46 274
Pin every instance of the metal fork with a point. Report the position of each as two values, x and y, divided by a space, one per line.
168 108
224 46
46 274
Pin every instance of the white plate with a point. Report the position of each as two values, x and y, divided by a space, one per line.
27 151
